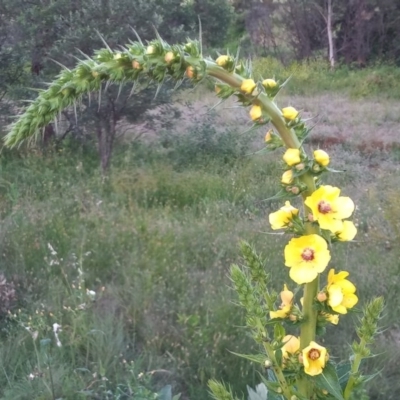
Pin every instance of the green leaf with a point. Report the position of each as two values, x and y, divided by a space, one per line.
165 393
343 373
279 332
261 392
329 381
257 358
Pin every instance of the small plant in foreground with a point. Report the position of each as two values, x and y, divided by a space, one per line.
289 335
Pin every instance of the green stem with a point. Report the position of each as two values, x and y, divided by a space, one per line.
278 371
354 370
235 81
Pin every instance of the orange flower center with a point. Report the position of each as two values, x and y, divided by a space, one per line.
308 254
314 354
324 207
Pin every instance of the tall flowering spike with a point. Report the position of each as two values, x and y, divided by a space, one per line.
306 256
286 306
292 157
329 209
282 218
314 359
341 292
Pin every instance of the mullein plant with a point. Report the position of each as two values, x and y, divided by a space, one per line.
288 326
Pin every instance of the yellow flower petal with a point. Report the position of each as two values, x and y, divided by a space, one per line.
255 113
341 292
314 359
321 157
348 231
222 60
287 177
289 113
291 345
247 86
281 218
328 209
269 83
307 256
292 157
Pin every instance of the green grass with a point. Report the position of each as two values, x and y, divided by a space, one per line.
155 240
314 77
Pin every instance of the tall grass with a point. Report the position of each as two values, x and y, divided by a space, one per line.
155 240
314 76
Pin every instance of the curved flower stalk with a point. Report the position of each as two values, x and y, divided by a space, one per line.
299 367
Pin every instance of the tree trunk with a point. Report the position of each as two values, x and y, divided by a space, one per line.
106 131
330 35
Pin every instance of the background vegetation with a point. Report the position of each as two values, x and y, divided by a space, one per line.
131 257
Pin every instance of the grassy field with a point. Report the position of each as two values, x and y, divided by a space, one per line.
134 266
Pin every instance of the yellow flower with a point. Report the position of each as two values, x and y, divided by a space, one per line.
348 232
332 318
286 306
340 292
269 83
222 60
329 209
291 345
307 256
282 218
292 157
268 136
255 113
314 359
287 177
247 86
321 157
289 113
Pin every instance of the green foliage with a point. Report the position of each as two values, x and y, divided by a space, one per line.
312 77
162 255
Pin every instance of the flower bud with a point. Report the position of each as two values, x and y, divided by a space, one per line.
289 113
292 157
190 72
255 113
222 61
287 177
269 83
95 74
316 168
295 190
293 317
117 56
150 50
267 364
169 57
300 166
321 157
247 86
136 65
268 136
321 296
